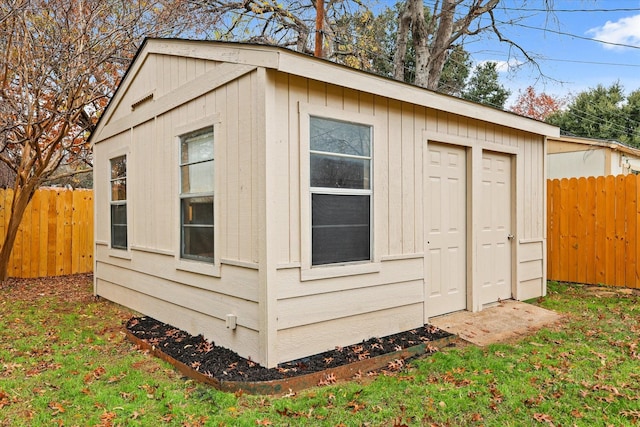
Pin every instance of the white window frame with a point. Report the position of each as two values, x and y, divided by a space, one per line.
186 264
314 272
194 195
124 202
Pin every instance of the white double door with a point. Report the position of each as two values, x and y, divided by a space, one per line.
446 199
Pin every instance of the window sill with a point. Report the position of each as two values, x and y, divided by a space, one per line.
198 267
120 253
338 270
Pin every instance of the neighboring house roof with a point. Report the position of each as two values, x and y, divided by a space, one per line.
599 143
251 57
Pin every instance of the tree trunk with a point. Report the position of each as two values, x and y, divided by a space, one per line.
21 198
440 45
402 39
420 40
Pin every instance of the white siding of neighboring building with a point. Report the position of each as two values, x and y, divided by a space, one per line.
577 164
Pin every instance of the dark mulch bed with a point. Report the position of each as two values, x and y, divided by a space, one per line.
223 364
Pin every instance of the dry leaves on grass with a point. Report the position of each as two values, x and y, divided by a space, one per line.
5 399
543 418
74 288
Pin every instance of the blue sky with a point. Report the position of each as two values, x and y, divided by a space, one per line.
564 44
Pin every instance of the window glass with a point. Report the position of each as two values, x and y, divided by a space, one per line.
119 226
197 178
119 167
196 196
119 189
340 181
118 184
198 243
340 228
340 137
339 172
198 210
197 147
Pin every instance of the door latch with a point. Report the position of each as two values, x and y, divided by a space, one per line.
510 236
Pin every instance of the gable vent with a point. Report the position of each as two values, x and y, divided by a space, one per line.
147 97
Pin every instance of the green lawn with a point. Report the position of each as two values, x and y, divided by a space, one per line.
64 361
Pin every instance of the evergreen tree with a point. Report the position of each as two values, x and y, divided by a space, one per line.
484 87
603 113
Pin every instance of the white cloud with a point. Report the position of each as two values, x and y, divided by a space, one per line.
502 66
623 31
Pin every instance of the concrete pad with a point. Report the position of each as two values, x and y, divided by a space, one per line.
505 321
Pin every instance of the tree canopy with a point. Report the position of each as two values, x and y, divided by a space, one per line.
602 112
538 106
484 87
426 38
60 61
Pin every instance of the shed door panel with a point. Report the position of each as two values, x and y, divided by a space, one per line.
445 205
494 256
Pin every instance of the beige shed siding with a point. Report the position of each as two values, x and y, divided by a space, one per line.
160 75
285 308
154 143
308 308
149 277
398 147
243 340
310 339
360 307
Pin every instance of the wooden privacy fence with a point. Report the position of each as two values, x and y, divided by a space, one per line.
56 233
593 230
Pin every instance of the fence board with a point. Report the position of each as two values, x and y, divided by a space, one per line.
594 230
590 232
44 232
571 269
610 230
580 244
553 262
620 201
34 250
637 237
564 228
55 235
601 237
631 218
52 222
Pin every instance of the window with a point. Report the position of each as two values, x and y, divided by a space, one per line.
340 180
196 195
119 202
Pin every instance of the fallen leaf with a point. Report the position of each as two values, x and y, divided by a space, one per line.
56 407
576 413
355 406
476 417
543 418
4 399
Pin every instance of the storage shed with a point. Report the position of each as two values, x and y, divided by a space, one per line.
282 205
